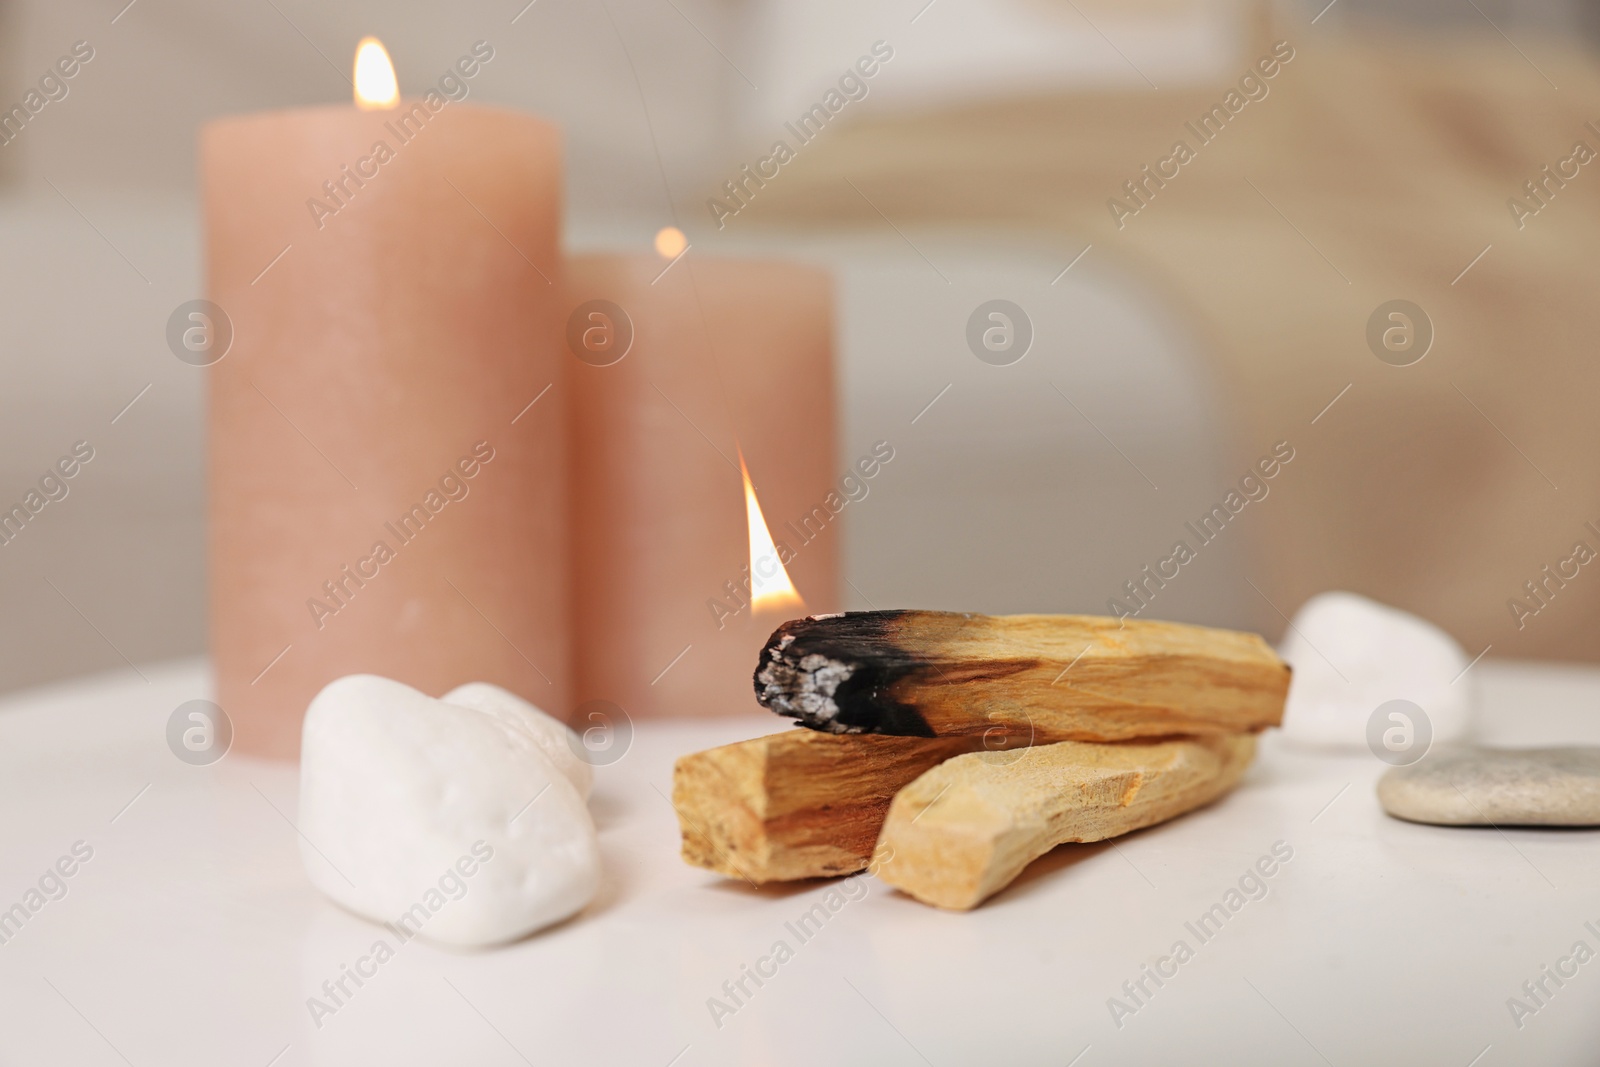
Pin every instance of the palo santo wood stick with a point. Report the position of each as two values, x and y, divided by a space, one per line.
799 804
961 832
1030 678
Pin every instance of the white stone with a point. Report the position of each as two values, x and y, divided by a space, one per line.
554 737
401 795
1351 654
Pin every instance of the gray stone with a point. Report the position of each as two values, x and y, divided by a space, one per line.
1500 787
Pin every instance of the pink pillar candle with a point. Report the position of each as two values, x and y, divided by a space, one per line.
383 498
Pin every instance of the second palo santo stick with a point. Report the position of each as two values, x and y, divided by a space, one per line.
798 804
1030 678
961 832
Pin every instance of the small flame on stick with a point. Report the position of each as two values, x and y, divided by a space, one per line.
770 587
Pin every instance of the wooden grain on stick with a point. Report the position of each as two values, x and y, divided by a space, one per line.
798 804
961 832
1030 678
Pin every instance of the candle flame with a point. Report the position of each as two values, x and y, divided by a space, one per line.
374 76
770 587
670 242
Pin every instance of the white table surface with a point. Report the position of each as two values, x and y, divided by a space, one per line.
192 935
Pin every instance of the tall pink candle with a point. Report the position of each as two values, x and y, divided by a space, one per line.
724 356
382 497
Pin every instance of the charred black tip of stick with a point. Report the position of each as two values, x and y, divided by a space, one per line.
834 673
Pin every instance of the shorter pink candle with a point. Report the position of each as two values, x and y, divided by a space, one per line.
679 370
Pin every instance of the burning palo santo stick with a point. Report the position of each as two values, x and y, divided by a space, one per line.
799 804
1026 677
961 832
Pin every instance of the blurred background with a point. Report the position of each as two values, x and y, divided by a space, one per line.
1174 345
